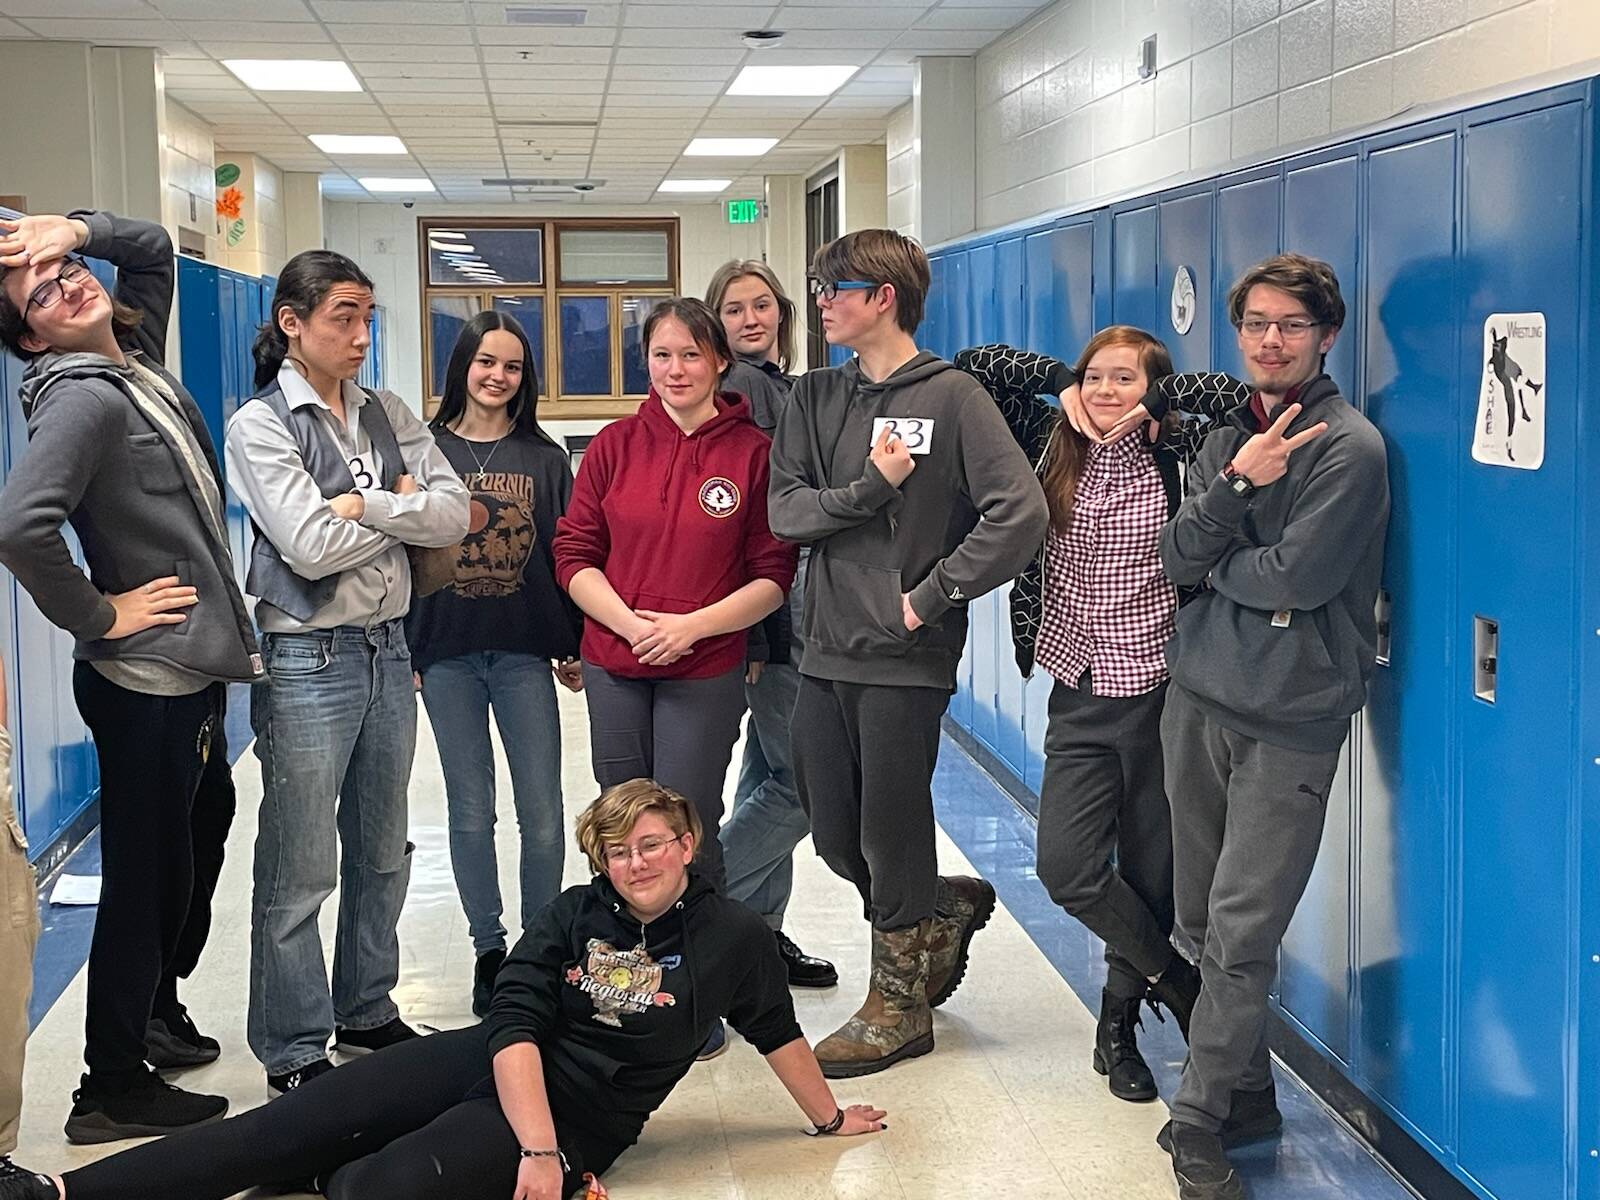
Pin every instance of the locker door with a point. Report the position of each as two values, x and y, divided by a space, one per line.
1060 301
1247 232
959 320
1008 298
985 317
1133 267
1523 219
1407 751
930 335
1320 214
1185 241
985 673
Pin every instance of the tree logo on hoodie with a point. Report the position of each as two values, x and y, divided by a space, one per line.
719 496
620 981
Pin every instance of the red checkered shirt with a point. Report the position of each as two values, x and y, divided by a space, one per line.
1108 608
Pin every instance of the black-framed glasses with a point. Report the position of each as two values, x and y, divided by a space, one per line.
830 291
649 849
48 293
1289 329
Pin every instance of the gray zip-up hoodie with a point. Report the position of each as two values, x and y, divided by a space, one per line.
1280 643
96 460
966 520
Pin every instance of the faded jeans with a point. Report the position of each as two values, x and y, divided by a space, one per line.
336 728
458 694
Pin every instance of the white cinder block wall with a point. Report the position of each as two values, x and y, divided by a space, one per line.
905 169
1064 118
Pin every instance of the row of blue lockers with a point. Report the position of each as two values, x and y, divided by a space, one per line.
1445 956
54 772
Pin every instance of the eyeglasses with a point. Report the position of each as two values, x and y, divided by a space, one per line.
830 291
649 849
73 271
1290 329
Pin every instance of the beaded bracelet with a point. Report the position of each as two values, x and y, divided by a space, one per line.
524 1152
832 1126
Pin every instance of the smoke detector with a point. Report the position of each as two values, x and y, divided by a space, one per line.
761 39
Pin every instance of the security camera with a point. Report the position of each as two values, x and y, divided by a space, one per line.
761 39
583 186
409 203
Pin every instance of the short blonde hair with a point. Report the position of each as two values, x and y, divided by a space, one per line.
609 820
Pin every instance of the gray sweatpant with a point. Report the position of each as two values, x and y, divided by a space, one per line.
679 732
1246 825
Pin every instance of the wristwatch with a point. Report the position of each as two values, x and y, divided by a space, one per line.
1237 483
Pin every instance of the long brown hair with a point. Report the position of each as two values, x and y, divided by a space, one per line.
1067 449
729 272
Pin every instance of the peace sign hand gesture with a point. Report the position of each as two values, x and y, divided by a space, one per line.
1265 457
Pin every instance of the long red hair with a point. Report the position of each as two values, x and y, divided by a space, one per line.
1068 449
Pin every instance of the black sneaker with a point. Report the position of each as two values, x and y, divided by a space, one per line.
716 1043
1201 1168
483 977
289 1081
1251 1117
804 970
1116 1052
172 1043
368 1041
142 1107
17 1184
1178 990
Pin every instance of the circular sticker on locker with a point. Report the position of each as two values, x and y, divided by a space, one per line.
1183 300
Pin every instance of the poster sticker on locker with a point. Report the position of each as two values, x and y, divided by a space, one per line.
1511 399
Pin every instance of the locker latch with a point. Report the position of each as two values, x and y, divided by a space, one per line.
1384 615
1485 657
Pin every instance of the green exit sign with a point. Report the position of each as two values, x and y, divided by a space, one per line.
744 212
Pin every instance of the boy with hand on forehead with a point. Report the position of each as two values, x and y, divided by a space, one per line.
901 475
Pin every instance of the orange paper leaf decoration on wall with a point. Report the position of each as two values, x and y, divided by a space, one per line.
230 203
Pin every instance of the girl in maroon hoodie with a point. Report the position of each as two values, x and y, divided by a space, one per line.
665 547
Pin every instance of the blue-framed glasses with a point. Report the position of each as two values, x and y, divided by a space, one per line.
830 291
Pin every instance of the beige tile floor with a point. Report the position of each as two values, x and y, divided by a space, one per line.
1006 1106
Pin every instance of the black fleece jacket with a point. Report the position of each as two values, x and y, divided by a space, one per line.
619 1010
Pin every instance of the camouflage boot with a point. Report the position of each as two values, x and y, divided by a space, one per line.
895 1022
962 906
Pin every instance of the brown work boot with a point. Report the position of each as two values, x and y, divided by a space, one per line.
895 1022
962 906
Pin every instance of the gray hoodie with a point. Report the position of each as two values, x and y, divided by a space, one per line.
966 520
96 460
1281 642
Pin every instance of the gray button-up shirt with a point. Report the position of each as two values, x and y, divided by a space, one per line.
368 555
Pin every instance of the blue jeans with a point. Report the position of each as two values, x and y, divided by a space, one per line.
458 694
336 729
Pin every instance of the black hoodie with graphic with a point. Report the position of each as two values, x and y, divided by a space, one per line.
619 1010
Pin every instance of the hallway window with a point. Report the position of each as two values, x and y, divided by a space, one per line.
581 289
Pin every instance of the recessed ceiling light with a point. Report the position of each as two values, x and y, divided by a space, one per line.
384 184
358 143
789 81
693 185
294 74
730 147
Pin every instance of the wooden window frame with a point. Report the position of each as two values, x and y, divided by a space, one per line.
553 405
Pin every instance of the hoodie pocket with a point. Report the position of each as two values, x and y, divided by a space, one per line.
153 464
1238 659
856 607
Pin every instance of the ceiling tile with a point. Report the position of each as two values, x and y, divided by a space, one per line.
577 55
864 16
493 15
995 18
693 16
395 12
104 31
76 8
363 55
405 35
224 10
717 55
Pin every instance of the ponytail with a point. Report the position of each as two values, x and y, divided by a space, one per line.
303 283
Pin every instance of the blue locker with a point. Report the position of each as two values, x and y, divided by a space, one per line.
1184 231
930 334
1133 267
1060 290
1408 743
982 305
959 323
1247 232
1522 217
1320 218
982 619
1008 288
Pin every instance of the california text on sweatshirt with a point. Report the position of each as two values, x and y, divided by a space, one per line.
676 521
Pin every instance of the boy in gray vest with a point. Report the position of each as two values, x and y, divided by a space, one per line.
338 482
118 449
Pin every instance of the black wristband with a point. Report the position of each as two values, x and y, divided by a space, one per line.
832 1126
524 1152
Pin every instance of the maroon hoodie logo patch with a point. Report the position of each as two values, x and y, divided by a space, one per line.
719 496
619 981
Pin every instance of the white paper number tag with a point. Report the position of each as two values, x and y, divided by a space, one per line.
1280 619
915 432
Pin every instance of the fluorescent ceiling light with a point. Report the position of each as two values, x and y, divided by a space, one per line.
294 74
693 185
789 81
447 233
358 143
452 249
730 147
375 183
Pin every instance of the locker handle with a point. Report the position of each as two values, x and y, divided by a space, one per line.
1485 658
1385 647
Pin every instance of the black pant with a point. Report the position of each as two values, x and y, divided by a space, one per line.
418 1121
165 810
863 764
1103 795
679 732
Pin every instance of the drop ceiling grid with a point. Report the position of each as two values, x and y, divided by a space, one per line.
650 74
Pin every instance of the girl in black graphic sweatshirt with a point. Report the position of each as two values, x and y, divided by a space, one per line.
597 1014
